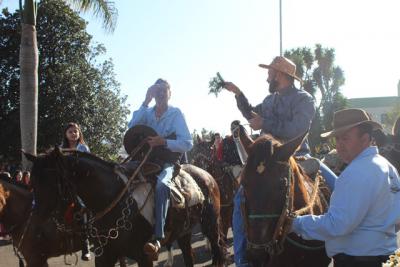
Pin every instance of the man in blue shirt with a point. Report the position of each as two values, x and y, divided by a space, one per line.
359 226
286 113
166 121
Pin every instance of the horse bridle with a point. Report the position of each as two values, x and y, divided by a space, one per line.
285 219
282 228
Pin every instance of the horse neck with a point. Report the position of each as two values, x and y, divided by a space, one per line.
17 206
96 183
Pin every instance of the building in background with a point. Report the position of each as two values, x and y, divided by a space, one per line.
377 107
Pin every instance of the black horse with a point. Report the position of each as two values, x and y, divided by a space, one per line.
121 229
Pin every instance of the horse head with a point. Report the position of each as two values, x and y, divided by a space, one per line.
47 181
268 184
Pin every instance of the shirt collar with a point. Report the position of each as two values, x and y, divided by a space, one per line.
287 90
369 151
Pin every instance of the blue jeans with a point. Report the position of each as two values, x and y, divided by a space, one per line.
162 199
239 233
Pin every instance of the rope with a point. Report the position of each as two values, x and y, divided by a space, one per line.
312 201
121 194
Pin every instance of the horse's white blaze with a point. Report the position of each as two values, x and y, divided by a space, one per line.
142 197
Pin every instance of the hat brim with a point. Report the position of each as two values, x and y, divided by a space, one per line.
335 132
264 66
135 135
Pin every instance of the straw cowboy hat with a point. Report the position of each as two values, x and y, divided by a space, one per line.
284 65
346 119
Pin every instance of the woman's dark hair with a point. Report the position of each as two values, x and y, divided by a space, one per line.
65 143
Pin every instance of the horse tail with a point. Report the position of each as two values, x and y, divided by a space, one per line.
211 225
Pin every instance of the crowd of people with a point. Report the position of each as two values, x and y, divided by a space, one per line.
360 226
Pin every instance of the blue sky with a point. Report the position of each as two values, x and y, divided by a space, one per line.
187 42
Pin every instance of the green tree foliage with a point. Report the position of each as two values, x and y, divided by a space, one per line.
74 85
323 80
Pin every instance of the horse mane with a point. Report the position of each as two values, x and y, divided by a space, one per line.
87 155
4 194
91 157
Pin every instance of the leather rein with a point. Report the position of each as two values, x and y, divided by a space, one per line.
285 218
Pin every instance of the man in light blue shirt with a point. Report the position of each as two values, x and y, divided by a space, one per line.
359 226
166 121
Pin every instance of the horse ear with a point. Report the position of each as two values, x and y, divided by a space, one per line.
396 127
285 151
29 156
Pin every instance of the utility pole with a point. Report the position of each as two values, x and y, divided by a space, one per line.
280 27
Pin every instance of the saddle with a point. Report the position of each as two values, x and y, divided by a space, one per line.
184 190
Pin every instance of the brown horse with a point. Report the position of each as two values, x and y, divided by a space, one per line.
276 188
225 174
121 229
34 240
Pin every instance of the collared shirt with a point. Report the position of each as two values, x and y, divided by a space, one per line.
285 115
171 122
363 211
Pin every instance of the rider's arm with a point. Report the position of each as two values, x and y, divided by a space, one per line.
245 107
183 141
355 191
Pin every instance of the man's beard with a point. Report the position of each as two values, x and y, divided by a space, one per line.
272 86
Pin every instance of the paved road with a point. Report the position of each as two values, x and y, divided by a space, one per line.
7 258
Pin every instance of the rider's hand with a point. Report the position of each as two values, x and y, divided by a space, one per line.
256 122
154 141
231 87
151 92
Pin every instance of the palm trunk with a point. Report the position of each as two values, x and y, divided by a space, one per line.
28 60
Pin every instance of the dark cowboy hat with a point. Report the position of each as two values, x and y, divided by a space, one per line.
135 135
284 65
346 119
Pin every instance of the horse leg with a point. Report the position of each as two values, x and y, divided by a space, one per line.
122 261
211 228
106 260
170 260
144 261
185 245
37 262
226 217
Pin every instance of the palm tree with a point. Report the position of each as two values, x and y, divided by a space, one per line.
29 59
